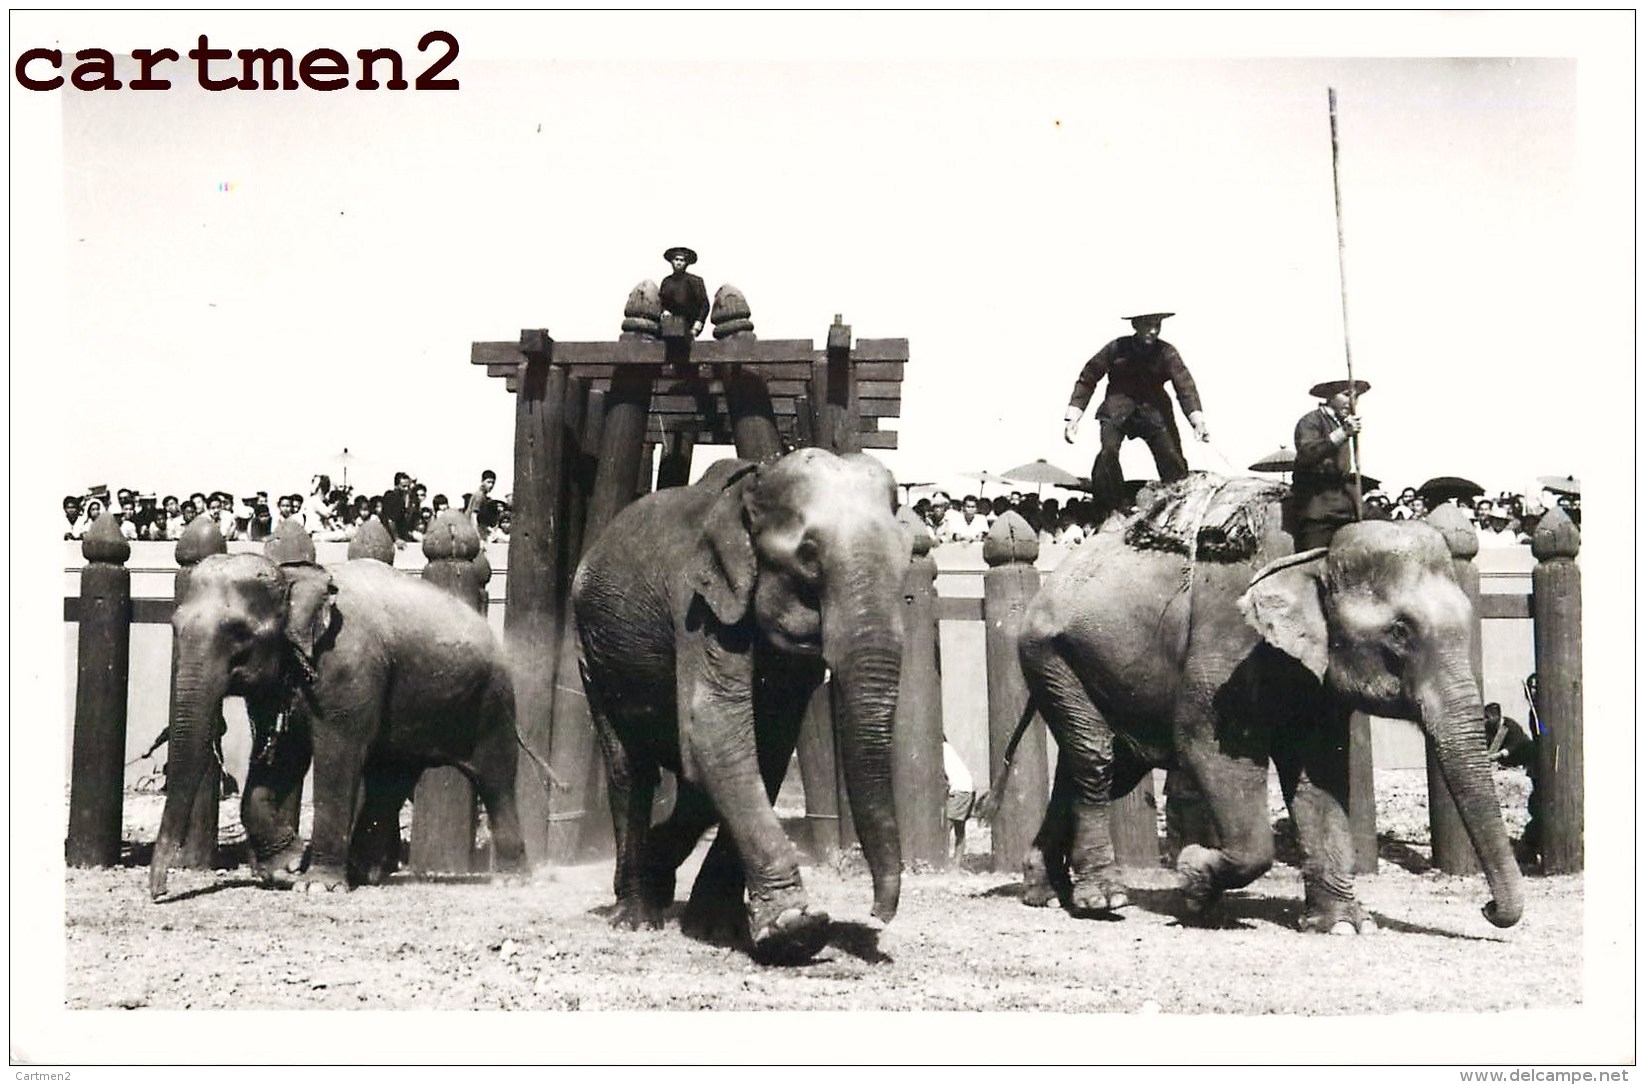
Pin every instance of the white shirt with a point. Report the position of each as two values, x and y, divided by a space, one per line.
953 767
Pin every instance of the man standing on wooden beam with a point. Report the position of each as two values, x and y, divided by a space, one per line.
1137 367
683 294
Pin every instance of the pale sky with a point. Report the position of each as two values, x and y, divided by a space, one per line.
300 272
222 291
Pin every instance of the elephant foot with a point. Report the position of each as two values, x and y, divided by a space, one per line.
785 929
1042 880
321 879
1098 894
1201 893
715 921
1337 917
635 915
280 870
657 887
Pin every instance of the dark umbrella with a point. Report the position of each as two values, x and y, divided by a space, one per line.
1278 461
1448 486
1562 484
1043 474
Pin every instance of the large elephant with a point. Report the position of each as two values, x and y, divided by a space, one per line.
707 616
1196 638
369 674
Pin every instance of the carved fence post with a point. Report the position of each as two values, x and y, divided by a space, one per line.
1453 852
372 542
442 807
1556 607
97 784
199 541
917 779
534 606
1010 582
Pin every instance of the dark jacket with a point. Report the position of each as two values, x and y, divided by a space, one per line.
1322 478
684 294
1137 376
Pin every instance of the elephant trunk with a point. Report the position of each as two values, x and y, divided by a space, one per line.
1455 721
862 644
201 685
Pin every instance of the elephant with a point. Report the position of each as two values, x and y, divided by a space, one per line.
1195 638
366 672
706 617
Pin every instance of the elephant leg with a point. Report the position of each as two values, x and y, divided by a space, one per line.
492 770
339 768
374 851
668 845
715 910
718 746
1312 760
1045 868
631 781
1236 791
269 801
1085 745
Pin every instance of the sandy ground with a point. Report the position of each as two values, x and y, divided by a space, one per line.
962 941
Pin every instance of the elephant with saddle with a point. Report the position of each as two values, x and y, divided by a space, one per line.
1196 638
371 675
706 617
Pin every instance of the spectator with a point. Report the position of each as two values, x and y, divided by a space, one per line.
91 510
1069 531
505 523
1495 531
71 513
191 512
440 504
285 505
936 514
172 513
223 518
474 505
424 518
965 524
396 509
961 796
261 525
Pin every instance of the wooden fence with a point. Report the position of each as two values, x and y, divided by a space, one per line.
105 612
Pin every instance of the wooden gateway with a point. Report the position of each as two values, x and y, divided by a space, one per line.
587 416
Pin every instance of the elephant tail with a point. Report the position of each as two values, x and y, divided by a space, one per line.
996 787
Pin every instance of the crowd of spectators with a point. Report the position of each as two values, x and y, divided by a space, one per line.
328 513
1506 520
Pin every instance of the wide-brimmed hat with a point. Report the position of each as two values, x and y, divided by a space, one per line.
1327 389
1152 318
680 250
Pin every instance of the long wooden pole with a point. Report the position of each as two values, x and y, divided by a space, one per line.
1342 279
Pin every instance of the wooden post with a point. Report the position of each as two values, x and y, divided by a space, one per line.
199 541
534 609
1362 794
1010 582
1453 852
443 819
572 749
748 401
372 542
642 481
917 779
1133 824
834 399
585 420
1556 608
97 786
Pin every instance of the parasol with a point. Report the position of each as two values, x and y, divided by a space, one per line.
1278 461
1448 486
1562 484
1041 473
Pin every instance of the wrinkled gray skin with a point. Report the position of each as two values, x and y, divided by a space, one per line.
1267 672
404 677
706 616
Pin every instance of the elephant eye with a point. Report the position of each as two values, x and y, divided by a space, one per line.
808 558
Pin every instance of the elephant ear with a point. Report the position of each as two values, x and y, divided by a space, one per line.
723 567
310 607
1284 604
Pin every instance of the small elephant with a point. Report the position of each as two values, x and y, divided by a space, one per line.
707 616
370 674
1149 648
